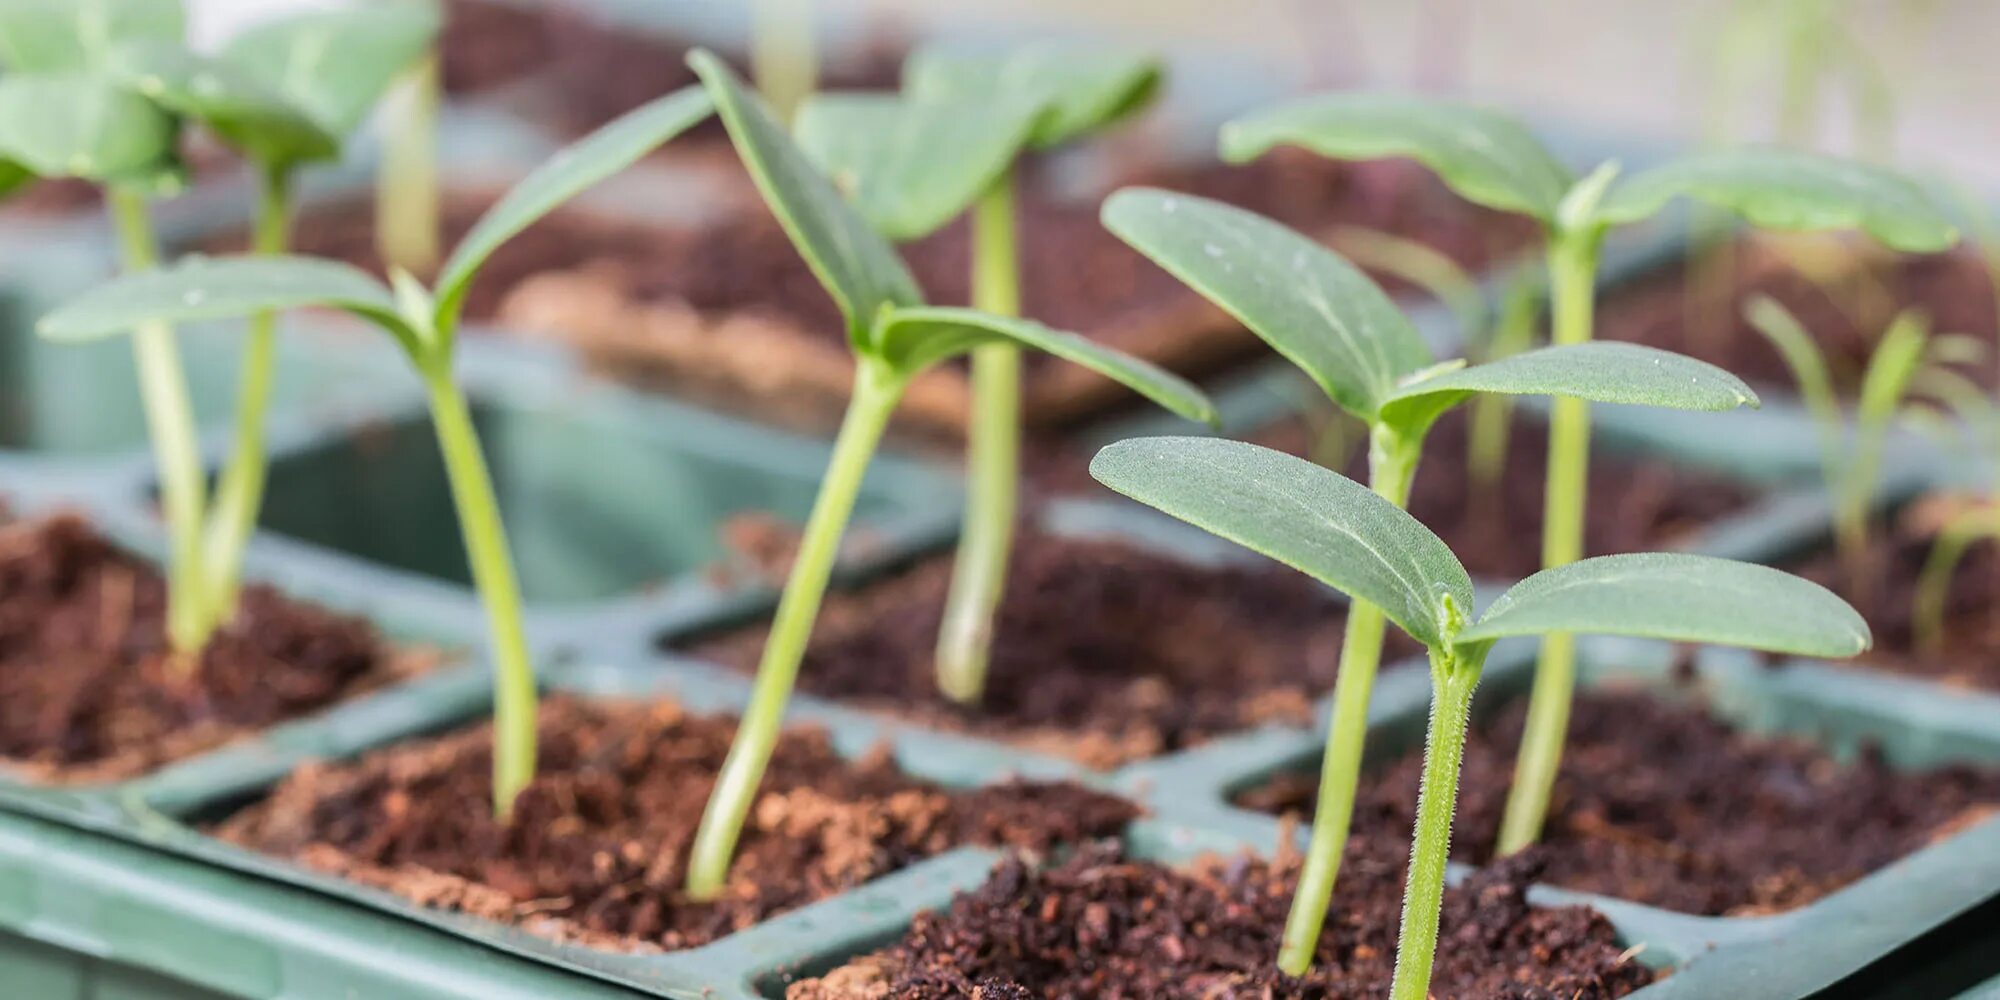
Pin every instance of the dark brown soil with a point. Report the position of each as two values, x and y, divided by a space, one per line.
1968 654
1953 288
1660 803
598 844
90 691
1105 653
1107 927
1636 504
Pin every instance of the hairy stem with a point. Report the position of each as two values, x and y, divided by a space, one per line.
499 590
1572 268
993 458
240 493
1392 464
876 391
170 422
406 195
1452 684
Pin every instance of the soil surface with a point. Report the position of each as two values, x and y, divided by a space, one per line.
1108 927
1846 315
90 691
1637 504
1884 591
597 848
1660 803
1105 653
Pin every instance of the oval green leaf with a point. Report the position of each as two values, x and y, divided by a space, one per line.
910 167
1309 304
335 65
1080 90
241 111
1306 516
915 338
1487 157
202 288
858 267
1680 597
565 175
1792 191
1600 371
73 125
60 36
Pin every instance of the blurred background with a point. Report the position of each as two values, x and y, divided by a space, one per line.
1922 73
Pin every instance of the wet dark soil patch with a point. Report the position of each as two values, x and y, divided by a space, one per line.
599 841
1104 652
91 691
1967 650
1637 504
1660 803
1109 927
1847 316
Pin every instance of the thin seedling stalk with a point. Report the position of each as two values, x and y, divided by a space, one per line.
1392 466
1573 276
407 199
1454 677
993 447
877 389
1488 425
783 57
493 574
163 392
240 493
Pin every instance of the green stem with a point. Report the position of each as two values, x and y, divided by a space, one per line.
170 422
1453 681
783 58
1492 413
1573 273
993 458
406 197
876 390
1392 465
499 590
240 493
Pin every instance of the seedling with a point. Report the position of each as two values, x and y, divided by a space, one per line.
407 212
894 336
120 69
1492 160
912 163
424 323
1358 542
1325 316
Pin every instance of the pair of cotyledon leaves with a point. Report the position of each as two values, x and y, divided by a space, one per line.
95 88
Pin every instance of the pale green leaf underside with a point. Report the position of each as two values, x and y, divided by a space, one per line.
1600 371
1082 90
567 174
1681 597
244 112
70 125
1793 191
58 36
203 288
1312 306
916 338
1300 514
1485 156
910 166
858 267
335 64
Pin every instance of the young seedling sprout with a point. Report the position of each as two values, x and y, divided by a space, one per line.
1356 541
1492 160
1907 357
424 323
1325 316
121 69
894 336
912 163
406 183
